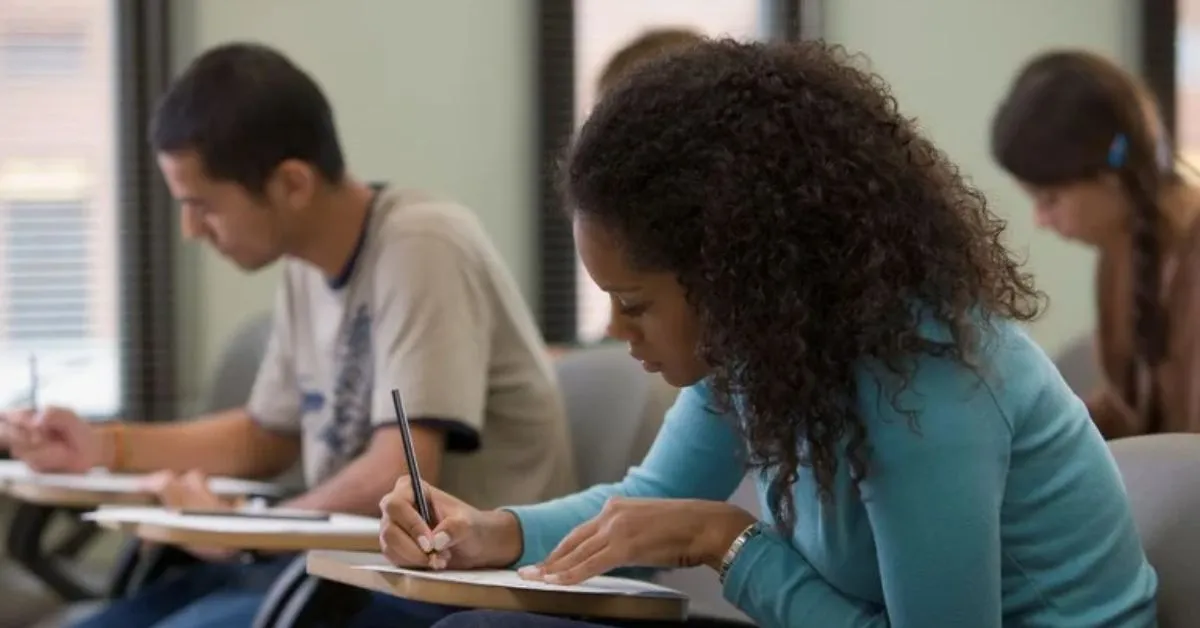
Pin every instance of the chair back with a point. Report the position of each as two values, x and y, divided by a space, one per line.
1160 473
614 407
239 365
1078 366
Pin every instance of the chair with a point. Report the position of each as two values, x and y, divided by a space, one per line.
1078 366
1160 472
615 409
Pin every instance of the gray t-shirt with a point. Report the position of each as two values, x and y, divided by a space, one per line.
426 306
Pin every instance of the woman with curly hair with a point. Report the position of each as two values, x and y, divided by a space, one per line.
1085 140
779 240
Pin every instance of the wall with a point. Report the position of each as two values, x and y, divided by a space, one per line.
431 94
949 63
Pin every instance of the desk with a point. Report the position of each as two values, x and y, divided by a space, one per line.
340 532
348 568
45 496
97 488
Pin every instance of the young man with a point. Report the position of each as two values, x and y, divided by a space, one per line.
382 289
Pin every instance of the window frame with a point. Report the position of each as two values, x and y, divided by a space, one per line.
554 60
146 218
1159 56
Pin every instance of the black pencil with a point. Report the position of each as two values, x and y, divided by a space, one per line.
410 457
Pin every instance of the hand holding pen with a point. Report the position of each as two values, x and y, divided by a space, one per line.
426 527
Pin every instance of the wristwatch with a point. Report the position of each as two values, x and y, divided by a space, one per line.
735 548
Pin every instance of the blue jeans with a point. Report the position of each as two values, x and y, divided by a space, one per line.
229 596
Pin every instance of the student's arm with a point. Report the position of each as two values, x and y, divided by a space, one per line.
358 487
696 455
226 443
933 502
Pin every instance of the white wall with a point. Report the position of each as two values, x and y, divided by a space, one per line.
949 62
435 94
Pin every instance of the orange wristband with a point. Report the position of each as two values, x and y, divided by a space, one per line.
118 447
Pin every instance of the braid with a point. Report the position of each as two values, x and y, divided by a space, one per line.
1149 318
1141 176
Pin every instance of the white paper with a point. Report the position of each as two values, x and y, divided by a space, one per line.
599 585
100 481
336 525
13 470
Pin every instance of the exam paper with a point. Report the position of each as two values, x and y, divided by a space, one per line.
599 585
101 481
240 524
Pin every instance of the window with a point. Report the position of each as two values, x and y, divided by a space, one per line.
1187 80
577 40
39 55
72 280
46 278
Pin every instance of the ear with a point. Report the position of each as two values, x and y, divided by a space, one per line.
293 184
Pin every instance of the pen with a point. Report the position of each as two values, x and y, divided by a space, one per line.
410 457
33 383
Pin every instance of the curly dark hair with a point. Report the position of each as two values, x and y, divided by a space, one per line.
810 226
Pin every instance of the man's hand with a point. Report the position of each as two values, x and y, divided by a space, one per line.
190 492
53 440
644 533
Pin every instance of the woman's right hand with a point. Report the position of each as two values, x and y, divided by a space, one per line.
463 537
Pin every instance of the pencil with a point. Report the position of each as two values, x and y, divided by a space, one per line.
33 383
410 457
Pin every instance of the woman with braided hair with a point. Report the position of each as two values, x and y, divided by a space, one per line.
1085 140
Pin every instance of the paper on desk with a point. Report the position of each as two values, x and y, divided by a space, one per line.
13 470
241 524
104 482
599 585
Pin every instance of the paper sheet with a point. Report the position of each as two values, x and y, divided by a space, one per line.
13 470
103 482
337 524
600 585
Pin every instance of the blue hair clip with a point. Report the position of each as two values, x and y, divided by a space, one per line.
1117 151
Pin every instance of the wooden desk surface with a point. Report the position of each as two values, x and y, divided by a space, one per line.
47 495
342 567
259 541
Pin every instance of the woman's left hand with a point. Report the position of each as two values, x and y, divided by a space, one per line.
644 533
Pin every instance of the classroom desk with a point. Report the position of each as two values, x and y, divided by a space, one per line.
43 497
99 488
244 532
347 568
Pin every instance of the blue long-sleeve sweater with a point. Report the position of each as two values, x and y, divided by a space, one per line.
1003 507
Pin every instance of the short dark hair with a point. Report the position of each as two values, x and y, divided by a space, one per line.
245 108
805 218
649 45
